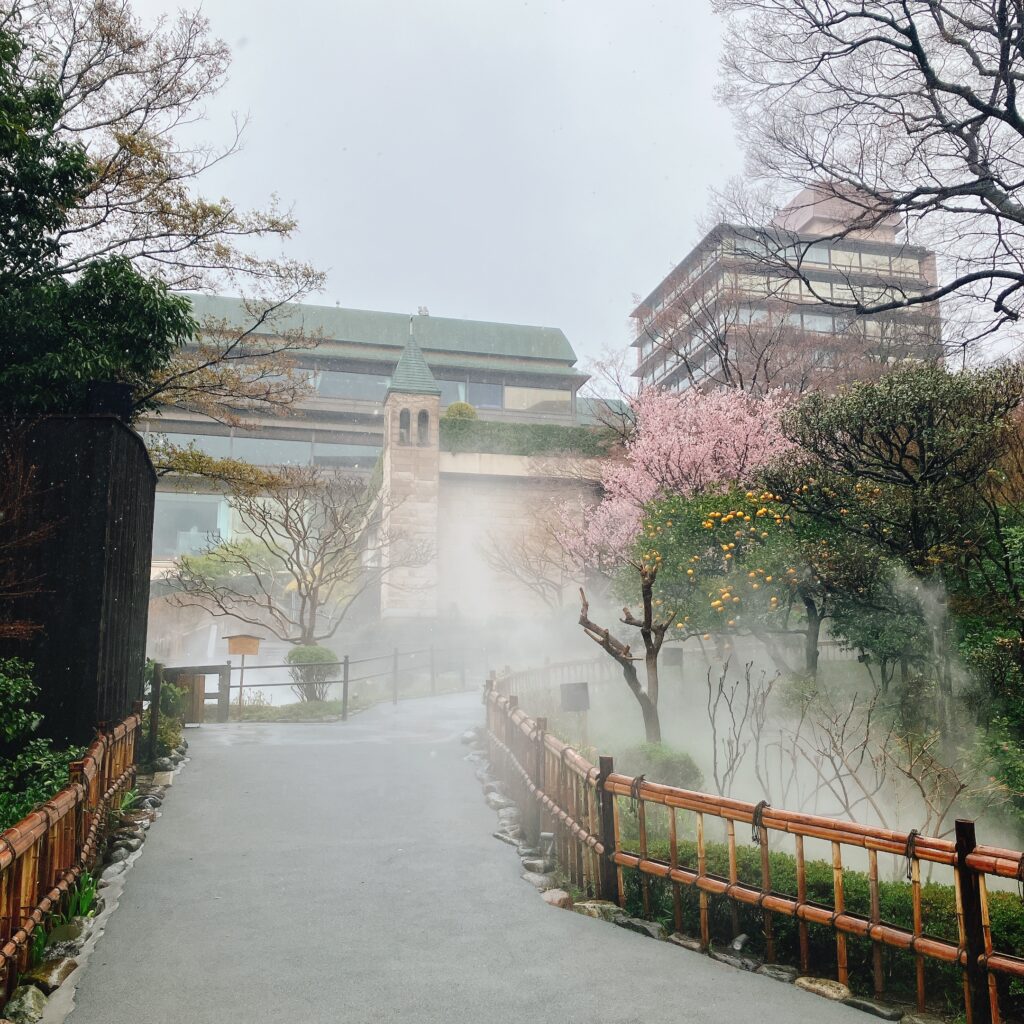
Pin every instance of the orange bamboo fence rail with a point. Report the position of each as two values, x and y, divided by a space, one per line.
552 782
43 855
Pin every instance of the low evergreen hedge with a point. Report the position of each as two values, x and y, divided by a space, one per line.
938 906
468 435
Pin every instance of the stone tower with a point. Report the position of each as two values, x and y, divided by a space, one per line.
411 485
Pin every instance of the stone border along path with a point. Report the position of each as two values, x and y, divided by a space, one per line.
347 873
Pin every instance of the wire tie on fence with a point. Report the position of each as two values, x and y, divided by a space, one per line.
911 852
1020 877
634 793
757 822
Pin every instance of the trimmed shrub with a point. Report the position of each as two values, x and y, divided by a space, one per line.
661 764
467 435
312 668
459 411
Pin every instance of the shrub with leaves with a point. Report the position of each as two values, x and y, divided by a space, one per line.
312 668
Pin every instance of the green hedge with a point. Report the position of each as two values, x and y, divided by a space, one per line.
466 435
938 905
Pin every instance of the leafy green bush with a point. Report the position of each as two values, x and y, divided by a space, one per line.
33 772
459 411
169 733
312 668
465 435
660 763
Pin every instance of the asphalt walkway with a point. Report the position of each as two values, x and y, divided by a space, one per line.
337 873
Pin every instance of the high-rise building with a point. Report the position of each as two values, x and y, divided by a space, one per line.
735 312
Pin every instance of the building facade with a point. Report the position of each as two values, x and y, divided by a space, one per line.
507 372
735 312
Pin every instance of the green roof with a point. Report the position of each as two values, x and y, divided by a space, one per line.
412 376
433 333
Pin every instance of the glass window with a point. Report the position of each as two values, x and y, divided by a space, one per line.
184 524
403 426
539 400
843 259
355 455
217 445
264 451
875 261
906 265
452 391
819 323
484 396
423 427
818 254
365 387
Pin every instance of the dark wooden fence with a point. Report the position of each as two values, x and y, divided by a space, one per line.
580 803
43 856
94 485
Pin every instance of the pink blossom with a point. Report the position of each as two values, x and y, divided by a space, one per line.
688 443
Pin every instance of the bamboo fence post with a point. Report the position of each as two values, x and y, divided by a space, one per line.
986 925
979 1009
766 887
878 974
915 895
839 906
641 824
616 846
606 807
705 929
534 812
673 846
734 913
801 898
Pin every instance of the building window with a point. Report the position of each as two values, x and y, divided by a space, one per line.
403 426
360 387
451 391
423 427
269 451
484 396
185 524
538 400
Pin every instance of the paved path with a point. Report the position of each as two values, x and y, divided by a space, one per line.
328 873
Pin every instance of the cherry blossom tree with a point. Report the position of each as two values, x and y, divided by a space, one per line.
689 443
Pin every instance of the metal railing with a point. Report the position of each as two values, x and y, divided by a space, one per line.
580 801
43 855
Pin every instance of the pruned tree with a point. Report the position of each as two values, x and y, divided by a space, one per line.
126 92
901 115
188 461
310 544
685 444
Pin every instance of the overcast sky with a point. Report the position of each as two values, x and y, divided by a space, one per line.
531 162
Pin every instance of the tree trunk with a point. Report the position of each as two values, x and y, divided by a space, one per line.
811 638
652 723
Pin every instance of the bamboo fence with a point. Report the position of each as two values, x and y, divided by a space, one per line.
43 855
554 784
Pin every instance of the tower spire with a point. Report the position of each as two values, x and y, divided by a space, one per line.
412 376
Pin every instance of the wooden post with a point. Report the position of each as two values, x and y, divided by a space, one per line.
241 689
533 811
344 689
433 672
154 708
224 692
394 677
609 874
978 1009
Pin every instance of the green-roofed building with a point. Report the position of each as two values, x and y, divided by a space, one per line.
509 373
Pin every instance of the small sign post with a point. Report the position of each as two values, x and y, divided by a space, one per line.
576 698
243 644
